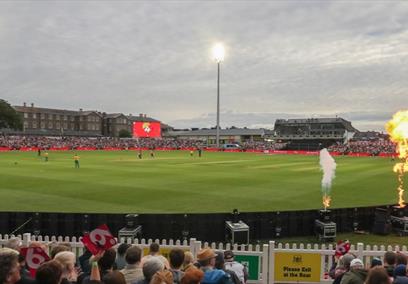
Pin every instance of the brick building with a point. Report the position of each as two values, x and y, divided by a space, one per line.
47 121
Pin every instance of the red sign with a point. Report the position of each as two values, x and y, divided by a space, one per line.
342 248
99 239
146 129
34 257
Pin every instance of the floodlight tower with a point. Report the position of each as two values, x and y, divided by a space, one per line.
218 55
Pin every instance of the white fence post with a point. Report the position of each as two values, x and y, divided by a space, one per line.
271 276
192 242
26 239
360 250
265 263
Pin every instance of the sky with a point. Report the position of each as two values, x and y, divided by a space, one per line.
284 59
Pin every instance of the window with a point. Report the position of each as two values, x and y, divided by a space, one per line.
42 125
58 125
65 117
72 118
42 116
25 115
65 125
34 124
49 125
25 124
34 115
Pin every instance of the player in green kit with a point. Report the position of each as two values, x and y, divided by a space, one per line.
76 161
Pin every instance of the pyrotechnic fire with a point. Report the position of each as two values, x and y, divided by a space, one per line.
397 128
326 201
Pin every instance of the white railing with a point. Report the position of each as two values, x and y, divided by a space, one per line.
260 258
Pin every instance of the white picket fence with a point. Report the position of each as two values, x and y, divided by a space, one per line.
266 253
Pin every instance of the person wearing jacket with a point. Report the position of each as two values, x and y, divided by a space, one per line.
357 273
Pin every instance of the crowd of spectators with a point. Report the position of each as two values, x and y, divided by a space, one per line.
124 264
109 267
364 146
44 142
351 270
372 147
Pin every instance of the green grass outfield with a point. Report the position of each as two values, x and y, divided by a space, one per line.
174 182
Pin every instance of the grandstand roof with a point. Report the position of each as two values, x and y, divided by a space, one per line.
346 123
223 132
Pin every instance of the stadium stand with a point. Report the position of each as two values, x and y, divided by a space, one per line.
314 133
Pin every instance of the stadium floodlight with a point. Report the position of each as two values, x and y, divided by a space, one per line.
218 55
218 52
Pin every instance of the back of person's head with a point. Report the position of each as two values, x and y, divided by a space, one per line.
122 248
401 259
378 275
192 276
57 249
162 277
188 258
107 261
49 272
400 270
133 255
345 260
390 258
219 260
176 257
114 277
154 248
13 243
9 266
151 266
67 259
376 262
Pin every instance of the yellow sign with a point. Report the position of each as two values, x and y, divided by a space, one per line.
297 267
163 251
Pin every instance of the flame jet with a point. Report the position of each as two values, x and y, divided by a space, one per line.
328 166
397 128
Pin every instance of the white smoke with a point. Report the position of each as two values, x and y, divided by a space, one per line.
328 166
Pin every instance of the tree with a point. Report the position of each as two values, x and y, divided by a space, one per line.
9 118
124 133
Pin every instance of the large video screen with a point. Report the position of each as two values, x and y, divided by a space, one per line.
146 129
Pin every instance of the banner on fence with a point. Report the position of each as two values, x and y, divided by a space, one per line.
252 262
297 267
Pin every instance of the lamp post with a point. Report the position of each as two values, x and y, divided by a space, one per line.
218 55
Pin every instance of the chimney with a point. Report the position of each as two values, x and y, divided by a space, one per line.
32 105
80 109
140 114
145 115
24 104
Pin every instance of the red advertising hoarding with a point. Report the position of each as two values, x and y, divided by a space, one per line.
146 129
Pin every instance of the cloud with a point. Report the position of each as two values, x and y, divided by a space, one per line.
283 58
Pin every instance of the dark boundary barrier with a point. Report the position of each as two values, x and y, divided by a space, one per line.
208 227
